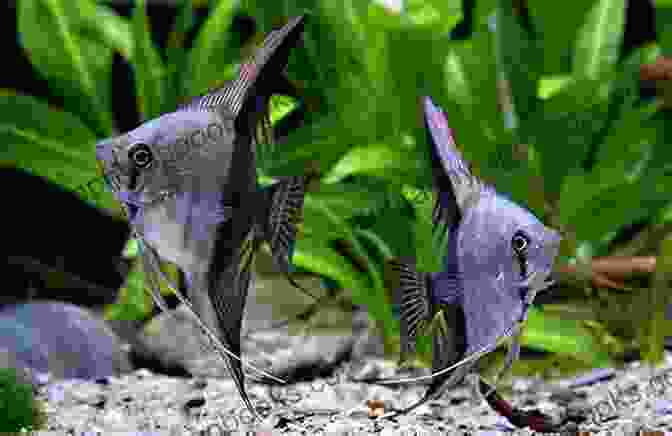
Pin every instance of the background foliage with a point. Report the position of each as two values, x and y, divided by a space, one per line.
542 100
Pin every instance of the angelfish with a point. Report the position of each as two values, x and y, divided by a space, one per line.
188 183
498 256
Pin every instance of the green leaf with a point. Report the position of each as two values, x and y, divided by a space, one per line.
383 250
599 39
281 106
377 160
133 303
521 61
106 26
131 249
177 59
620 205
425 251
440 15
381 311
350 199
46 141
654 301
312 255
552 333
551 85
566 127
663 20
213 50
148 66
64 58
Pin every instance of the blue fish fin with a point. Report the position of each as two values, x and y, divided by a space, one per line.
411 292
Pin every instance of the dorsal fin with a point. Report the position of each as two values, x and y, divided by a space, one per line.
259 73
458 188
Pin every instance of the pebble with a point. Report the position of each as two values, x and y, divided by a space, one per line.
143 401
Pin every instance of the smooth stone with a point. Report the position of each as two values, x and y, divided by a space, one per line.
63 340
175 340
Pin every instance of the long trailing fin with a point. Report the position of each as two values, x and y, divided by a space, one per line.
218 346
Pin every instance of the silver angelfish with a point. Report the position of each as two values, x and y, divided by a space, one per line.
188 182
499 255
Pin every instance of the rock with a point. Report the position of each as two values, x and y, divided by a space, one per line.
175 340
61 339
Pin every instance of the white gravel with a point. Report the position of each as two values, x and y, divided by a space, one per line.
142 401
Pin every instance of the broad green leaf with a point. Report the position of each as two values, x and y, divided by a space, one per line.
377 291
177 56
350 199
599 39
551 85
147 65
281 106
566 127
556 25
321 141
550 332
133 303
46 141
107 26
439 15
520 60
663 20
383 250
425 254
213 50
377 160
665 215
314 256
64 58
131 249
476 120
621 205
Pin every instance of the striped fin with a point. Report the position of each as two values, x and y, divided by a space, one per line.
285 212
411 290
270 58
282 212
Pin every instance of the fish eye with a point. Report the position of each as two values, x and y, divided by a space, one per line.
141 155
519 243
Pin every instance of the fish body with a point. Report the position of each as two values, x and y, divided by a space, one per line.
498 256
188 182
